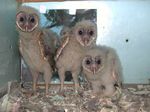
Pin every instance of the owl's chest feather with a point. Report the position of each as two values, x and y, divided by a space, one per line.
31 52
71 56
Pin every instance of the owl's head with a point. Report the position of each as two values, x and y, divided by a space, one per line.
85 32
94 60
27 19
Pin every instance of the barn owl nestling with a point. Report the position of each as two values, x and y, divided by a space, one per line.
32 45
81 37
102 68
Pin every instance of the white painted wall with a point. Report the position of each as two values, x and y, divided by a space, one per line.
119 21
129 20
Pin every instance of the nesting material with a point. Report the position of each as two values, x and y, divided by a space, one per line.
20 99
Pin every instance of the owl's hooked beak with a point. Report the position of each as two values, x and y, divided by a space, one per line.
93 68
26 28
85 40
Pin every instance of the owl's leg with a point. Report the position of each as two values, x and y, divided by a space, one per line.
109 89
75 79
47 76
96 89
61 73
35 75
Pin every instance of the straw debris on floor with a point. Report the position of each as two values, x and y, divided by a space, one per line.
20 99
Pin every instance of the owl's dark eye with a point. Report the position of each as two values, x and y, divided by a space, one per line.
88 62
98 62
91 32
21 19
80 32
32 20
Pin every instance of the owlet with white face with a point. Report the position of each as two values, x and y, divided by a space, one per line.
32 44
102 68
80 38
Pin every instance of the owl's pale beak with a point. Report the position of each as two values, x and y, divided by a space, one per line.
85 40
93 68
26 26
94 71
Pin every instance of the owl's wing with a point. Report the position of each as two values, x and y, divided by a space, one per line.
50 42
42 45
115 64
117 71
64 43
